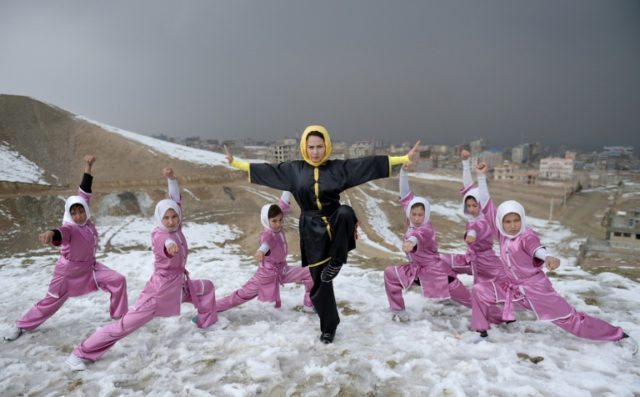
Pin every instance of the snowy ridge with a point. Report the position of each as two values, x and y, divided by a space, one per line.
197 156
14 167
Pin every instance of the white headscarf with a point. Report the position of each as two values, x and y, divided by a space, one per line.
510 207
162 207
71 201
475 193
264 215
418 200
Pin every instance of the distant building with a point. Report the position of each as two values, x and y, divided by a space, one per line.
615 158
556 168
509 172
477 146
285 150
623 230
492 157
361 149
521 154
338 150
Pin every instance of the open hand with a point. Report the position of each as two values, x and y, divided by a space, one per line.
413 151
228 154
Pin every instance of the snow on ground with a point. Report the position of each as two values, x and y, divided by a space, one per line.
378 219
435 177
14 167
268 351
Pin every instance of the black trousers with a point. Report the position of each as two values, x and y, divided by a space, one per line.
343 222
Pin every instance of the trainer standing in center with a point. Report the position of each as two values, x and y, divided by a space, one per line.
327 227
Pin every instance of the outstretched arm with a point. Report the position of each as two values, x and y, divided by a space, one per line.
467 180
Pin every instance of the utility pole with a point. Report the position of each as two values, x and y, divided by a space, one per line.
551 210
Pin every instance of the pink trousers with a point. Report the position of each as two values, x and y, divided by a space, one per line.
105 278
96 345
394 288
485 298
252 287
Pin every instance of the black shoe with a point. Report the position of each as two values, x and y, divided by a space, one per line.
327 337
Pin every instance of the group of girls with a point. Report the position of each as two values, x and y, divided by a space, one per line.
515 279
327 234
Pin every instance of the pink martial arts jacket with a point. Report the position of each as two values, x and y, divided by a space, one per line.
75 268
274 265
523 277
424 261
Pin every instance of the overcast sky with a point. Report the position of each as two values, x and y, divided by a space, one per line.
554 71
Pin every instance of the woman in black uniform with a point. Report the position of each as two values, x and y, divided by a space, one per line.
327 228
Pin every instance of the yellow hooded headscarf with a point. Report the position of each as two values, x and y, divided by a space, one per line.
327 144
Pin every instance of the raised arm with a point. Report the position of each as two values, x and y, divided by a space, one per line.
481 170
467 180
173 187
285 202
84 190
404 182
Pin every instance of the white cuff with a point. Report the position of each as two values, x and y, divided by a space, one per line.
264 247
286 197
413 240
472 233
174 189
541 253
168 242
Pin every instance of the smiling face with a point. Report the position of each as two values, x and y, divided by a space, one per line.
472 206
417 214
170 220
511 223
78 214
315 148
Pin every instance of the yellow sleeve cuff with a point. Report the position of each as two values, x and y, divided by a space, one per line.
241 165
395 160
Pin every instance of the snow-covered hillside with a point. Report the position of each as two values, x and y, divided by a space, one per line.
14 167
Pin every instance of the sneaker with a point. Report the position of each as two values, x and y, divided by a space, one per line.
327 337
400 317
14 334
75 363
308 309
628 343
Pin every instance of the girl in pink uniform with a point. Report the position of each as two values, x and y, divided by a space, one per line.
273 270
523 284
425 266
167 288
479 260
76 273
